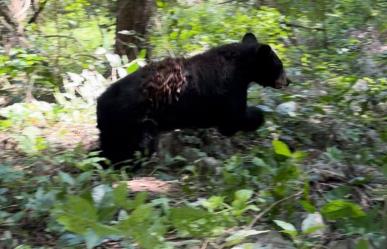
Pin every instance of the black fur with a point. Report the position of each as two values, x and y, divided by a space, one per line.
206 90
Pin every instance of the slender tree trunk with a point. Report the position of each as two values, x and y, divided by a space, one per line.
133 20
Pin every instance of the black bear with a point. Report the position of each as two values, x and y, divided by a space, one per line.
206 90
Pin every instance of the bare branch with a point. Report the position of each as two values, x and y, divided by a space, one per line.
37 12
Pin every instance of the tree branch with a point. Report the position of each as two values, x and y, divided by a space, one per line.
37 12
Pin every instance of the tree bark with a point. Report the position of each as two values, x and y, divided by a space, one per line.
133 20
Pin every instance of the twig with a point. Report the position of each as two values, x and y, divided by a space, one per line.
260 215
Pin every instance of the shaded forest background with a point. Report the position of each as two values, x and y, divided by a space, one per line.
313 177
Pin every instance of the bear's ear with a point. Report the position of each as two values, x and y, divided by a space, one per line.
249 38
264 50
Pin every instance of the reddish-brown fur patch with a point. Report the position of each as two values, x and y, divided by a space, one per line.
166 83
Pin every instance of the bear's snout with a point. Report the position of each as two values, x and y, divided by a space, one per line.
281 82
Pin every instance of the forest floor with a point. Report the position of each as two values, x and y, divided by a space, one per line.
180 172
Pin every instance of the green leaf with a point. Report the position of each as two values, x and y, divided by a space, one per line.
281 148
142 54
362 244
133 67
140 199
299 155
308 206
287 227
213 203
67 178
259 162
120 196
239 236
241 200
76 214
4 124
338 209
243 194
145 227
160 3
194 221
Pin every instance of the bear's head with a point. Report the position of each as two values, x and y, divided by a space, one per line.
267 67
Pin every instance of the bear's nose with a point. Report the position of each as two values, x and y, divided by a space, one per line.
281 82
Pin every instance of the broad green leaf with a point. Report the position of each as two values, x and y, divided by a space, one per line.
120 196
241 200
160 3
308 206
76 214
213 202
140 199
81 207
133 67
105 230
67 178
243 194
145 227
259 162
281 148
4 124
287 227
338 209
299 155
194 221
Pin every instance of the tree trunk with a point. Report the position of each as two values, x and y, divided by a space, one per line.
133 20
12 15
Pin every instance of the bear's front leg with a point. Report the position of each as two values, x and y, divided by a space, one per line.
119 143
233 114
251 120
